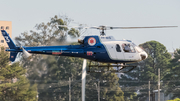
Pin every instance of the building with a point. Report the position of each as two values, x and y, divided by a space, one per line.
5 25
163 96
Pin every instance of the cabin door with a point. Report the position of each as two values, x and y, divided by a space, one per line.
119 52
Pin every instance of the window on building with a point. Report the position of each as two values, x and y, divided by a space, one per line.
2 27
2 41
118 49
7 27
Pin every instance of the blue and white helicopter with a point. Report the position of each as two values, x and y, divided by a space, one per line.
102 49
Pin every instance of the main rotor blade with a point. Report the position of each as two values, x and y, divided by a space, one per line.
108 27
79 27
140 27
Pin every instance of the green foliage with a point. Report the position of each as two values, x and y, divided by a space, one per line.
109 87
74 33
45 34
54 83
177 99
14 86
3 58
48 33
158 57
173 75
147 70
48 70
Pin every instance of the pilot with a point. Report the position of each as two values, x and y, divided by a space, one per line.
126 48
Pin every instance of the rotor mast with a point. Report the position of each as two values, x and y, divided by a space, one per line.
102 33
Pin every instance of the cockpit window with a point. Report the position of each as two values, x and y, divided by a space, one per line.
134 44
118 49
128 48
82 37
81 40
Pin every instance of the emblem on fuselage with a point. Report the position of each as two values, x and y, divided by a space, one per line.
91 41
89 53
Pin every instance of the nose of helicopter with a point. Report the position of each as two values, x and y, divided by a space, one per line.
143 55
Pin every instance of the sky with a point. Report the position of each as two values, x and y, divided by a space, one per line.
25 14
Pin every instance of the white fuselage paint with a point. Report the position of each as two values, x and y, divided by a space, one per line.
111 44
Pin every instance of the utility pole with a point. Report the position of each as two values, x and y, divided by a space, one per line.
149 90
98 90
158 84
83 79
69 88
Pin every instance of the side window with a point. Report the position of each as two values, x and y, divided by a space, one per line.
118 49
128 48
132 49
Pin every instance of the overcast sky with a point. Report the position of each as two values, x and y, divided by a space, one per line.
26 14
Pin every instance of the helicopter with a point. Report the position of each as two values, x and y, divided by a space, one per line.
100 49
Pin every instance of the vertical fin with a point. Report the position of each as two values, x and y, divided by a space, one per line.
8 40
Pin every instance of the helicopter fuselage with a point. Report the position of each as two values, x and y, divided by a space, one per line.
96 48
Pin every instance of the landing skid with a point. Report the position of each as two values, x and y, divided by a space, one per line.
107 70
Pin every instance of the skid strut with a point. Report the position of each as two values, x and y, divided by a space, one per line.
119 68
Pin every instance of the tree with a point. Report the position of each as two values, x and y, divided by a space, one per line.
45 34
20 90
55 84
108 84
41 68
147 70
110 88
48 69
173 75
177 99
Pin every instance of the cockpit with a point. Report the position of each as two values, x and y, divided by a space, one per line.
133 48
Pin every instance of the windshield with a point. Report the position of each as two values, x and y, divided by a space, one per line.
139 49
134 44
82 37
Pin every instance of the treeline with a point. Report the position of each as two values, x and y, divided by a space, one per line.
47 78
